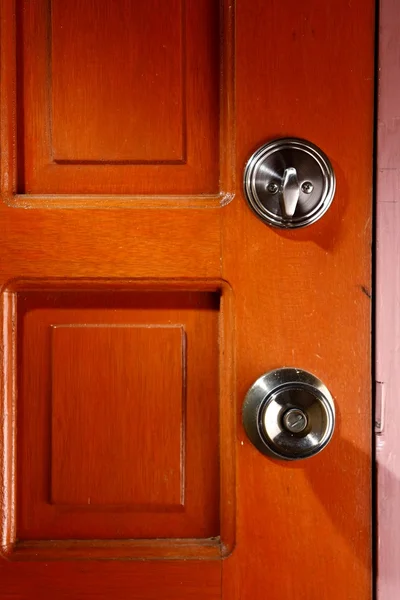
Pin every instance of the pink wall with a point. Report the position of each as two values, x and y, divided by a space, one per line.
388 303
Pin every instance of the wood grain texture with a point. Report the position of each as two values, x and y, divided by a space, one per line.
102 62
118 416
140 244
205 76
8 414
127 477
128 550
302 299
387 301
118 101
271 299
180 580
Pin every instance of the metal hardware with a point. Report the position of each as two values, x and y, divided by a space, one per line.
307 187
273 187
289 414
290 193
289 183
379 407
295 420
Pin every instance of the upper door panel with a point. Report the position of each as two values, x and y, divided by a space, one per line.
116 98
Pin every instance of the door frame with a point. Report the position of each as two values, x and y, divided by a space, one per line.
387 323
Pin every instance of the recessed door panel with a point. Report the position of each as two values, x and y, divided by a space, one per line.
118 98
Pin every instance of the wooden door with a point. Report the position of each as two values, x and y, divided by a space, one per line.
141 298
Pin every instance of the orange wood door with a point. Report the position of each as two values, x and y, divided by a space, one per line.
141 298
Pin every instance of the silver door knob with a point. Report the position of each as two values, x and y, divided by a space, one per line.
289 414
289 183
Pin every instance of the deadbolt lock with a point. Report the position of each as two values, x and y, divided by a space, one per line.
289 414
289 183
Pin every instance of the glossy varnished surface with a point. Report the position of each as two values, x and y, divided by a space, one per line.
303 299
112 406
274 299
147 581
83 428
118 99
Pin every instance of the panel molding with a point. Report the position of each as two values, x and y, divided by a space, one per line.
110 469
171 549
212 548
11 166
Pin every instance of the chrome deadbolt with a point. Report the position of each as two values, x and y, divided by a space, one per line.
289 414
289 183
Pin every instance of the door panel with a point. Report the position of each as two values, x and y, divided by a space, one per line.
142 81
141 298
114 385
308 524
112 406
149 107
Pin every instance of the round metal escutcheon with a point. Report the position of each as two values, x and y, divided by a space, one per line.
289 414
311 186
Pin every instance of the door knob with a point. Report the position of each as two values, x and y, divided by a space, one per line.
289 414
289 183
